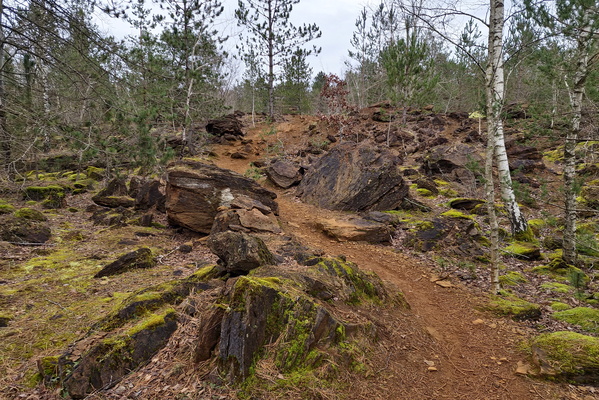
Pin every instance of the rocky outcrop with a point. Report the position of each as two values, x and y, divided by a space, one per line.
284 173
238 252
457 161
355 178
195 191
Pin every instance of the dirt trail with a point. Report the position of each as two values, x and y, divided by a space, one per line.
478 353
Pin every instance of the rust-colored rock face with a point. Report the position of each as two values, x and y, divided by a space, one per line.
355 178
195 191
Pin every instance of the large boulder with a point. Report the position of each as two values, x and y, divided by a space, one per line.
354 177
284 173
226 125
195 191
240 253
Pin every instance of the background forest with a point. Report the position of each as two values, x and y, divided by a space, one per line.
66 87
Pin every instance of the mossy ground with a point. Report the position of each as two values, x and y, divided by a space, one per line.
50 291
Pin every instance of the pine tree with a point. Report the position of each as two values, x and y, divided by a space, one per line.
272 37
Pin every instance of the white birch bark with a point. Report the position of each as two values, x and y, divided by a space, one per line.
495 99
576 92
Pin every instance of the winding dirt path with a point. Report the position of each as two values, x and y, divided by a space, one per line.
478 354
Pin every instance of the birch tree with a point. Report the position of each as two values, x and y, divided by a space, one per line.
577 21
495 84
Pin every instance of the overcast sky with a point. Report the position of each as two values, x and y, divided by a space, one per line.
335 18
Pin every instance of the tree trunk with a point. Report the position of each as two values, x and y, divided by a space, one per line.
494 226
4 136
271 63
576 95
495 99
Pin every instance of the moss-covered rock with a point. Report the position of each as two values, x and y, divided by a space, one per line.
567 355
515 307
537 225
558 268
38 193
6 208
152 298
523 251
557 287
464 203
30 214
585 317
25 226
112 358
94 173
456 214
512 278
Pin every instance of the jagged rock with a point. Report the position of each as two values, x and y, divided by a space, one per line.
195 191
150 195
247 203
109 360
447 158
140 258
356 229
284 173
525 158
355 178
19 228
238 252
227 125
209 335
114 201
135 184
114 195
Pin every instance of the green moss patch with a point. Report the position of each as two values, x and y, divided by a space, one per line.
456 214
585 317
523 251
42 192
515 307
559 306
512 278
567 355
30 214
556 287
425 193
